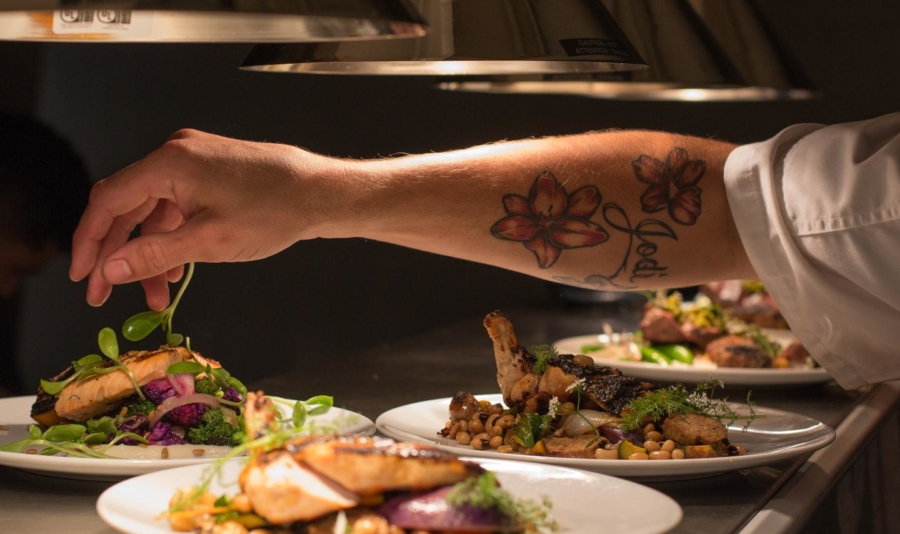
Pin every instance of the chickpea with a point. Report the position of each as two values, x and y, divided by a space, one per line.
476 426
638 456
660 455
668 446
242 503
505 449
480 441
678 454
496 441
606 454
651 446
496 431
463 438
507 421
649 428
654 436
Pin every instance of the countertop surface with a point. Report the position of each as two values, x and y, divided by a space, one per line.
436 364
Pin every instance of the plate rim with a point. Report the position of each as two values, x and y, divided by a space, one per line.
674 517
620 468
729 375
113 467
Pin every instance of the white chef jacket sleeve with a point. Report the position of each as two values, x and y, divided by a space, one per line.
818 211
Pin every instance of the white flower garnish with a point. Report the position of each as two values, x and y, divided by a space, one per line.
340 523
578 384
554 405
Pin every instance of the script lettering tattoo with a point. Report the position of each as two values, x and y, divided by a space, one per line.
645 234
672 184
550 219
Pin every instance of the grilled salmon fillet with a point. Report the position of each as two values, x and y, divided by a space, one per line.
313 476
83 399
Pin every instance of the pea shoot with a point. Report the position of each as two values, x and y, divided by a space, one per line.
74 440
139 326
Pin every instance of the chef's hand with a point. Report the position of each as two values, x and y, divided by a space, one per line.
198 198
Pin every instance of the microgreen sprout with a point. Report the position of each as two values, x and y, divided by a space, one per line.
141 325
674 400
542 355
485 493
72 440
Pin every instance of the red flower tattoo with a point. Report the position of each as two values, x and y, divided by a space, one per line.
550 220
673 184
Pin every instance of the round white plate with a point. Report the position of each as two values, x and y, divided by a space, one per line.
15 413
778 436
582 502
698 373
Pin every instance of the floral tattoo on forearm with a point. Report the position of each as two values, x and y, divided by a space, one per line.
551 220
673 184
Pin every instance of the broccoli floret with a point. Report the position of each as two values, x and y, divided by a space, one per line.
207 385
213 429
140 407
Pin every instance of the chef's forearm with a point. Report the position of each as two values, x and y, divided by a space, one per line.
615 210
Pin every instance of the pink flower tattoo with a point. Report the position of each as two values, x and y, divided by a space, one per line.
673 184
550 219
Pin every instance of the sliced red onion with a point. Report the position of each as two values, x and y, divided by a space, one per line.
174 402
175 384
430 511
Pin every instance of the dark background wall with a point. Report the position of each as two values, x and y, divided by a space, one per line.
116 103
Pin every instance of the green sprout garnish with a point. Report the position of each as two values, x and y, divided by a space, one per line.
485 493
73 439
542 355
674 400
577 387
141 325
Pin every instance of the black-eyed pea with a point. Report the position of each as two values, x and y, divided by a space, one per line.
638 456
495 409
651 446
489 424
497 431
654 436
480 441
649 428
668 446
496 441
464 438
660 455
463 426
606 454
454 430
483 406
507 421
566 408
476 427
678 454
505 449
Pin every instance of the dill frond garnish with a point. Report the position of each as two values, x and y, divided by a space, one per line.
675 400
483 492
542 355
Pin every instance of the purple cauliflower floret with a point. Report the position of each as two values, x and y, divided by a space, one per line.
162 435
133 424
232 395
159 390
187 415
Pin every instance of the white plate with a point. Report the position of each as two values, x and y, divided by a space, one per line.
582 502
778 436
698 373
15 413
